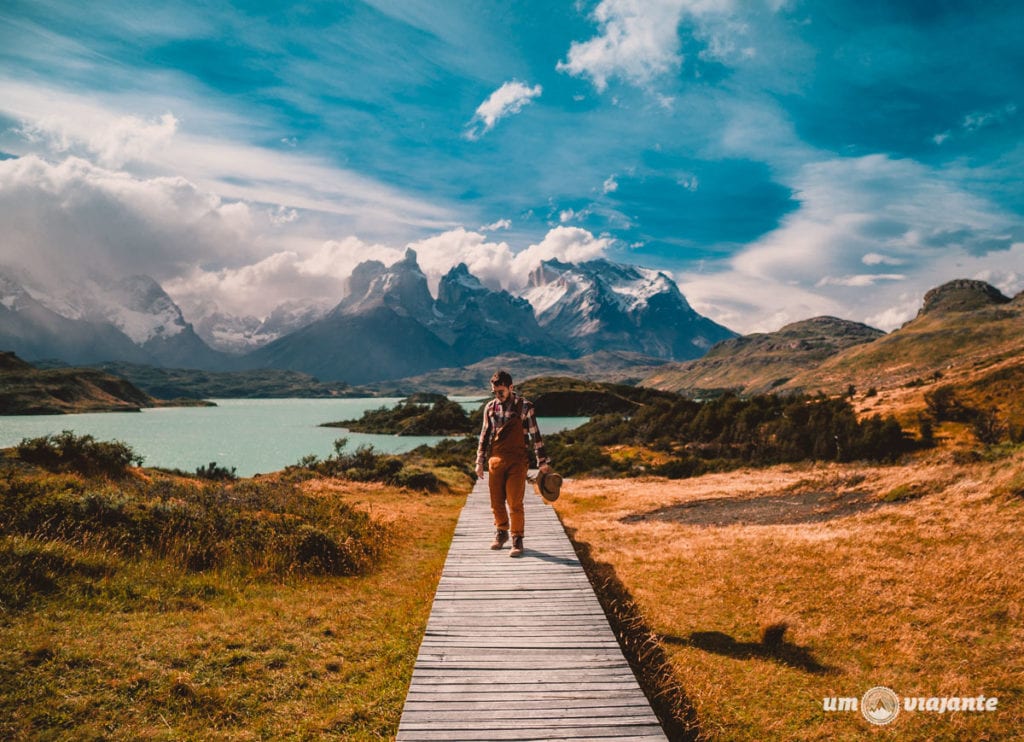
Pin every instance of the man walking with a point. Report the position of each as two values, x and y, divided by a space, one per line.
508 421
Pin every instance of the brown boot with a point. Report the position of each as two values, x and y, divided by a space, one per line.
499 539
517 547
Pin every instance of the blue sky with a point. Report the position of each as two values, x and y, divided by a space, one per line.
782 159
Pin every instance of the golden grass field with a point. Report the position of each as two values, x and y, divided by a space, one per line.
904 576
153 652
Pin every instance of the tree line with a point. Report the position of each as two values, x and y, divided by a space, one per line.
731 431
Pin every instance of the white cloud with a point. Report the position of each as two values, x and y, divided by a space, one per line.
494 226
857 213
873 258
55 124
566 216
496 263
568 244
76 217
638 40
980 119
859 280
505 101
610 185
114 141
689 182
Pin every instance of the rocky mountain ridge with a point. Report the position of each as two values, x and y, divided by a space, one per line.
387 326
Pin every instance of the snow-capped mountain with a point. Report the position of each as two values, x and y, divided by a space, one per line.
233 334
380 330
600 305
130 319
390 326
33 331
401 287
479 322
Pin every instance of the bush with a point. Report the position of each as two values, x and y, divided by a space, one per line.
944 405
66 451
987 428
216 473
366 465
681 468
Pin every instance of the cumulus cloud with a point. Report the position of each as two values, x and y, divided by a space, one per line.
638 40
505 101
610 185
500 224
115 143
568 244
871 212
77 217
499 265
314 274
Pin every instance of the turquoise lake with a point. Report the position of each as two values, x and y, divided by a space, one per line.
252 435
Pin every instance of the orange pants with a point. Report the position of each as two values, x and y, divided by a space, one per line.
507 484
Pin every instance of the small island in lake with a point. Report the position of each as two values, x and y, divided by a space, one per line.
418 414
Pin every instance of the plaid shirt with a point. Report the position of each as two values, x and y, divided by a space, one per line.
496 415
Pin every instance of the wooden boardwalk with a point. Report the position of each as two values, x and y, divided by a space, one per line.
519 649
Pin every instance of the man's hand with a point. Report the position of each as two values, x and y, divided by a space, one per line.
479 471
544 469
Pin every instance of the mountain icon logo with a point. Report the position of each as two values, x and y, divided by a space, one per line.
880 705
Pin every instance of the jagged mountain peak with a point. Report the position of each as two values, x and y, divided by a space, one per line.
138 306
402 287
961 295
603 305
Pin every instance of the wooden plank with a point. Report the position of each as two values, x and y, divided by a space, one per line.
520 649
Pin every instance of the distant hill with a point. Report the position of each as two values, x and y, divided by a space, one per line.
26 390
963 328
170 383
560 396
967 335
608 366
763 362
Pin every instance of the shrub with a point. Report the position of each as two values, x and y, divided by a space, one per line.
987 428
944 405
366 465
681 468
216 473
66 451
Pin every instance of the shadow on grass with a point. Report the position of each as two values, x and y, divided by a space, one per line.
790 509
641 648
772 646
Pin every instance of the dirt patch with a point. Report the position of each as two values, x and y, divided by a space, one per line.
771 510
